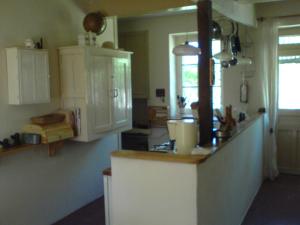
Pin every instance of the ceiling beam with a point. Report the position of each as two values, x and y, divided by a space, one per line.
122 8
256 1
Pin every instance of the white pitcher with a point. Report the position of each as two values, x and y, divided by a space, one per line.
184 132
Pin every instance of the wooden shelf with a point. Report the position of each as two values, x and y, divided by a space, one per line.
52 149
15 150
157 156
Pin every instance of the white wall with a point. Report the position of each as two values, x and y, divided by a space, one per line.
37 190
233 76
111 32
34 188
159 29
218 191
146 192
230 179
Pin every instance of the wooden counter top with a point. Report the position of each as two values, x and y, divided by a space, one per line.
157 156
188 159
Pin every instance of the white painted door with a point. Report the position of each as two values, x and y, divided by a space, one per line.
42 77
120 91
288 133
34 77
27 77
100 92
288 144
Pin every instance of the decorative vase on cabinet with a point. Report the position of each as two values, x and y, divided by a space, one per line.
28 76
98 81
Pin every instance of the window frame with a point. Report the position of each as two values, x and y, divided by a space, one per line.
287 50
192 38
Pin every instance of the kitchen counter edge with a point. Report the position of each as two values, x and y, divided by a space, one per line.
187 159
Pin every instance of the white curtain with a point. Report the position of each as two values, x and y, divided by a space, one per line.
267 63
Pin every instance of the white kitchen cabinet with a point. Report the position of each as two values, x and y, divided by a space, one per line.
98 81
120 83
28 76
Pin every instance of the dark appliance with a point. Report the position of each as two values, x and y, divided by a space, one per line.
135 141
137 138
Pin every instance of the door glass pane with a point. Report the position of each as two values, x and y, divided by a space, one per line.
289 80
189 75
191 95
217 92
218 77
187 60
289 40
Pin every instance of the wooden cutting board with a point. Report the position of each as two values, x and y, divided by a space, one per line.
50 133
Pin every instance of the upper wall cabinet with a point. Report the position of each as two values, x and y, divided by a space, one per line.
98 82
28 76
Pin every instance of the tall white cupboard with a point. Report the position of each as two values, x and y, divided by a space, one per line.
98 82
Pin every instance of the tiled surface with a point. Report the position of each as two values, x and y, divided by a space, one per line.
277 203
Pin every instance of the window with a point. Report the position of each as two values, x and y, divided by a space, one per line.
289 76
188 77
289 80
289 40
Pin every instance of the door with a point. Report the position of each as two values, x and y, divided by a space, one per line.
42 86
27 77
121 91
288 137
100 107
137 42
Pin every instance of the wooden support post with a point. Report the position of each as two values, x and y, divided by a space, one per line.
204 13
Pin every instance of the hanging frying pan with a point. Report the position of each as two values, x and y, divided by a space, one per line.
227 27
235 41
216 31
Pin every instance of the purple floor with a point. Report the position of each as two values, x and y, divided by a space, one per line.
92 214
277 203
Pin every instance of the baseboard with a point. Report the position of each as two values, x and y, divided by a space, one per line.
289 171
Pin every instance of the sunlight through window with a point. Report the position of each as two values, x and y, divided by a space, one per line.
289 80
189 77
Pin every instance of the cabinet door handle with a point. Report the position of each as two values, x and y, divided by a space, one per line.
117 92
